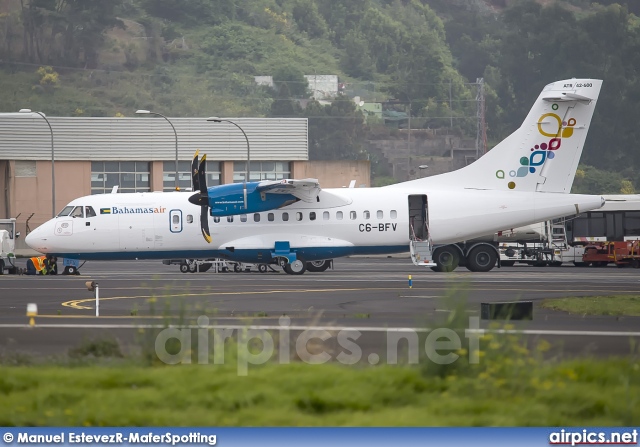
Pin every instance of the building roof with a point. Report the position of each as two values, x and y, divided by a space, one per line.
27 137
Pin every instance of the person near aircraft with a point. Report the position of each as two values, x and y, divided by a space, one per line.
51 266
35 265
42 265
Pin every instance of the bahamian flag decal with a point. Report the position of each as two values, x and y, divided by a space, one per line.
105 210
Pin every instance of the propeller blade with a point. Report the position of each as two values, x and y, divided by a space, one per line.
202 176
204 223
201 197
194 172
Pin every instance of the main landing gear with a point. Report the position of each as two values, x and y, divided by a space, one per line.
298 267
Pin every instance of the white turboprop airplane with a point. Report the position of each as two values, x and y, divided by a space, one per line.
524 179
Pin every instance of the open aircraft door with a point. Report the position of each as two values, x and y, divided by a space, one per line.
419 237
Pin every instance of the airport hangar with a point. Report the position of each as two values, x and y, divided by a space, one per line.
93 154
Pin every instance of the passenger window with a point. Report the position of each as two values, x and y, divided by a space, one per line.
353 215
285 217
243 217
229 218
325 215
216 219
256 217
77 212
367 214
298 217
189 218
89 211
339 215
270 217
394 214
380 214
312 215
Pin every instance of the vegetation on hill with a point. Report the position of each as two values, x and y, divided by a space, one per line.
200 58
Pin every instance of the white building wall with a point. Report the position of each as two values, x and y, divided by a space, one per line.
323 86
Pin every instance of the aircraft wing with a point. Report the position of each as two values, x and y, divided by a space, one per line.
306 190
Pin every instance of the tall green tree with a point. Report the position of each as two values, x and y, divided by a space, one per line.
336 131
293 78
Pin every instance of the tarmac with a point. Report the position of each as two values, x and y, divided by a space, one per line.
368 299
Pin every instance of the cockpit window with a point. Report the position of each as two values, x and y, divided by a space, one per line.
89 211
65 211
77 212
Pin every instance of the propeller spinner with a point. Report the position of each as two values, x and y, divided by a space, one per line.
199 180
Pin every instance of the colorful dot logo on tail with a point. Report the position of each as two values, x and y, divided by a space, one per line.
544 150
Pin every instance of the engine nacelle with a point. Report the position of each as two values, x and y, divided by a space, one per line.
228 200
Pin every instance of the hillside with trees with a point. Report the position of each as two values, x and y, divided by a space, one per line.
201 57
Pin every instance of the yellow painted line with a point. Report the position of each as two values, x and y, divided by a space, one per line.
77 304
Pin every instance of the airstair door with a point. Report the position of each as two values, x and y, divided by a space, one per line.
419 237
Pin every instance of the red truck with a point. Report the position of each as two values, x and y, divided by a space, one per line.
621 253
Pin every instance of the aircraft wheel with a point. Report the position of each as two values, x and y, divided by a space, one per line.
193 268
184 268
481 259
70 270
262 268
236 268
318 266
297 267
447 259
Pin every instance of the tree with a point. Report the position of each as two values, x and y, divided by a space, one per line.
283 105
336 131
306 15
356 61
292 76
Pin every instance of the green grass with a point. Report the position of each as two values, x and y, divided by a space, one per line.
618 305
585 392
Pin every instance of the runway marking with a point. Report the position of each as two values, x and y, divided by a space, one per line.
76 304
327 328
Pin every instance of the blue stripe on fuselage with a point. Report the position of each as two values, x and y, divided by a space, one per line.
242 255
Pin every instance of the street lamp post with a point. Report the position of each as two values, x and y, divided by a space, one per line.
147 112
53 167
215 119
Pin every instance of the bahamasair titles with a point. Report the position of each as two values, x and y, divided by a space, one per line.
525 179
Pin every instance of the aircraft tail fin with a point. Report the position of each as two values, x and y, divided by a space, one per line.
543 154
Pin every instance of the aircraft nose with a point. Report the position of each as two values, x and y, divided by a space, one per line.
32 239
37 239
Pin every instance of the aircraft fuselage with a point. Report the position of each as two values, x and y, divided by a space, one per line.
342 222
